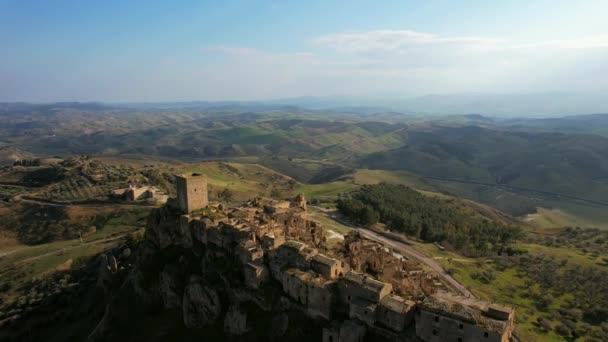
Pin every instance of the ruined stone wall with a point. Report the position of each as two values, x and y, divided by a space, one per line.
320 300
434 327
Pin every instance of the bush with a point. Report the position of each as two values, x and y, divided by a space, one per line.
544 324
563 330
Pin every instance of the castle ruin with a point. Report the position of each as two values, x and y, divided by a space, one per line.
191 191
276 241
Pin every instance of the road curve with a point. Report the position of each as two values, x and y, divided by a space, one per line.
409 250
403 249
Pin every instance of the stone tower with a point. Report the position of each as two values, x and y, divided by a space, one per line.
191 191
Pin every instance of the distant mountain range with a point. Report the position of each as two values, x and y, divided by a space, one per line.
499 105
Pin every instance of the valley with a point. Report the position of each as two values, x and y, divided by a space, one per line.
59 212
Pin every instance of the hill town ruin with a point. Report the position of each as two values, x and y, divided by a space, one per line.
355 289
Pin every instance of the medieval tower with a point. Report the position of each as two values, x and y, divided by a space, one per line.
191 191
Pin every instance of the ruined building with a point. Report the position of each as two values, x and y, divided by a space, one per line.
357 290
191 191
446 317
140 193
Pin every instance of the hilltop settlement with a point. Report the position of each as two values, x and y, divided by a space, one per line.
354 291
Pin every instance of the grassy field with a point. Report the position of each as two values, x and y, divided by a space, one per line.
247 178
569 215
36 260
512 287
244 180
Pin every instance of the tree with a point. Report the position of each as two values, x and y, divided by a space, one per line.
276 193
225 194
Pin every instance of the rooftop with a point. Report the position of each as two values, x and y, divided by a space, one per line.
465 309
324 259
365 280
397 304
307 277
190 175
294 245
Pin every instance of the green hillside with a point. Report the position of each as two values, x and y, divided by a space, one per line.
513 165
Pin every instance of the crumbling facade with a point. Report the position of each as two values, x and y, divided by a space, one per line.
445 317
140 193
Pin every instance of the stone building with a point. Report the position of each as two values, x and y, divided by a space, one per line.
446 317
363 310
395 313
191 191
347 331
275 238
295 254
362 286
141 193
310 290
328 267
249 251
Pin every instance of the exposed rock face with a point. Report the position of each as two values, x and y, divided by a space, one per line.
163 228
235 322
146 290
171 286
280 323
201 305
148 294
104 275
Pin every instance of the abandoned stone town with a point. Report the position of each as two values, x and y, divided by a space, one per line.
355 288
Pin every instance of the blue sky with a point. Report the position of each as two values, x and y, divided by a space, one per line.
121 51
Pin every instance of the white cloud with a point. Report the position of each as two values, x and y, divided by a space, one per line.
407 63
397 41
592 42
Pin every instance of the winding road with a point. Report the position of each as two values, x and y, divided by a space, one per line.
402 248
412 252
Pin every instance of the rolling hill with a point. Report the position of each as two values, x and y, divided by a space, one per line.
515 165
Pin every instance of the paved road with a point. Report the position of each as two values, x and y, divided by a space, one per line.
409 250
404 249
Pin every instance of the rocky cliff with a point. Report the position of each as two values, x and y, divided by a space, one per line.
178 288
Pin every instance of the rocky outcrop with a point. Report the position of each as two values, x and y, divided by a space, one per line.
163 228
201 305
280 323
171 287
235 321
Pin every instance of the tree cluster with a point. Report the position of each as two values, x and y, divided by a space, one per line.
431 219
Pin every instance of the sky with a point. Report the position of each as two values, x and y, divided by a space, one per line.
140 51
